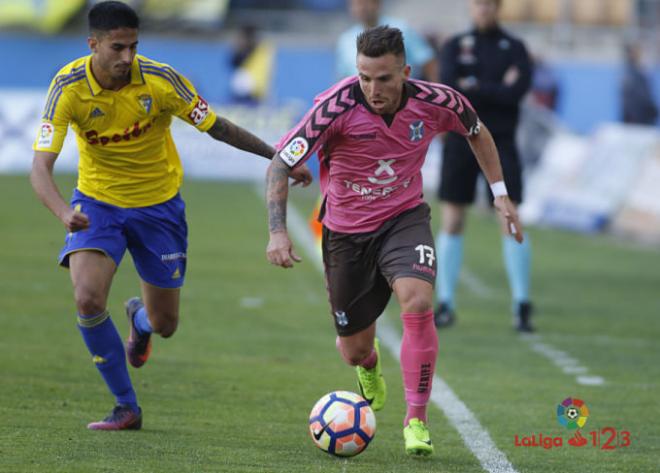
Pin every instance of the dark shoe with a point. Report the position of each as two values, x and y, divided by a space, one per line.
121 418
444 316
138 347
522 317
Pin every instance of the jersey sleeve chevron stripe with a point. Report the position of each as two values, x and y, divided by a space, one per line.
327 112
305 138
56 90
171 76
450 99
176 77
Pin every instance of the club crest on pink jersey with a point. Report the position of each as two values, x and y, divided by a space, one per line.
417 130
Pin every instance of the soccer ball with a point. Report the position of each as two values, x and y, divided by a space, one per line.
342 423
572 413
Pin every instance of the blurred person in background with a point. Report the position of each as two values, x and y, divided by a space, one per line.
368 14
545 84
493 70
637 103
371 133
241 84
120 105
251 65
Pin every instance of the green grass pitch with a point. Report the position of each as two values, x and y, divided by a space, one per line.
231 391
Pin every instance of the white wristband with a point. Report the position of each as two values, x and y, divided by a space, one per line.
498 189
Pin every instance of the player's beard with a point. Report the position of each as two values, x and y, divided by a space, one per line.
121 73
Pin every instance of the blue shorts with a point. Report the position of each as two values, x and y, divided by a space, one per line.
156 236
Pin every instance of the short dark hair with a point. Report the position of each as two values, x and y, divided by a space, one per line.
381 40
111 15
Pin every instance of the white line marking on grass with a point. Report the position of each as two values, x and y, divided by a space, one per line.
475 285
301 231
591 380
251 302
561 359
475 437
565 362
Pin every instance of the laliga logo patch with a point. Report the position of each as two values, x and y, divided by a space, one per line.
294 151
46 134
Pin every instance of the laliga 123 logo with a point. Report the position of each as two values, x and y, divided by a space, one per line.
294 151
298 147
573 414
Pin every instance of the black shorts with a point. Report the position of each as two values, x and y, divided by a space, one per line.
360 268
460 169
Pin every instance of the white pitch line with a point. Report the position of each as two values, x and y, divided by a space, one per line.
251 302
564 362
475 285
474 435
591 380
561 359
299 228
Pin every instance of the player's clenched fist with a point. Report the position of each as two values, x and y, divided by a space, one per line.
74 221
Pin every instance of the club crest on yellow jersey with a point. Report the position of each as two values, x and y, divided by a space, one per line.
146 101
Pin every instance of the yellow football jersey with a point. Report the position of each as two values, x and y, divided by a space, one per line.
127 155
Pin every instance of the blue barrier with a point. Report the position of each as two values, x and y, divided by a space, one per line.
589 91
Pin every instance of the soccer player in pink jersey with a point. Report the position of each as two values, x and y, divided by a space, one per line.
371 133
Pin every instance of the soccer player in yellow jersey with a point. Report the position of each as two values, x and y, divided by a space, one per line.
120 106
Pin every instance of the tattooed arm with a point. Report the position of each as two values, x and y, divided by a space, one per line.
277 193
234 135
280 250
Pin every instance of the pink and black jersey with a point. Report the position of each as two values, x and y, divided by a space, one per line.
371 164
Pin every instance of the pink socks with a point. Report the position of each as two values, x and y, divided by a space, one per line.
419 349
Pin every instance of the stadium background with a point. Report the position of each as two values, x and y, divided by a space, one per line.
586 172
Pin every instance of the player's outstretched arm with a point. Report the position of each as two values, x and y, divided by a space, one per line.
484 149
280 250
44 186
238 137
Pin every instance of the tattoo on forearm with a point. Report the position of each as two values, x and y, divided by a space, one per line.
232 134
277 190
